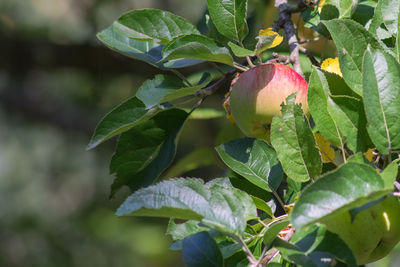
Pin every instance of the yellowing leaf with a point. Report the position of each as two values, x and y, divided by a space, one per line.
369 155
320 4
332 65
327 152
267 39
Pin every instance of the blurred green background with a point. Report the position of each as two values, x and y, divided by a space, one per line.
56 82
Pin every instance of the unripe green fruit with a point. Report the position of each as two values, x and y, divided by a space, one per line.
374 231
257 95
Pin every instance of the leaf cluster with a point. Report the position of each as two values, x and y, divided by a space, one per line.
268 206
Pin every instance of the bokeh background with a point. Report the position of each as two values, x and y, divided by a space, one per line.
56 82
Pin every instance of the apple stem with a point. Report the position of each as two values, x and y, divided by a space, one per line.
250 62
259 59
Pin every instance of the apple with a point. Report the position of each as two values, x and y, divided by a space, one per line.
374 231
257 95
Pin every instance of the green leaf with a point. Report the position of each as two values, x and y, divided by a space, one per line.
240 51
190 199
146 150
229 17
121 119
196 47
243 184
201 157
398 39
201 250
149 52
358 158
115 38
155 25
316 245
213 33
274 230
387 12
312 19
294 142
255 160
364 12
331 9
182 230
338 9
349 186
317 98
381 89
348 114
351 40
164 88
262 205
389 174
333 245
293 253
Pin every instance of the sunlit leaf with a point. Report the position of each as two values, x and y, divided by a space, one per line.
381 87
155 25
196 47
229 17
349 186
294 142
121 119
351 40
317 96
223 208
255 160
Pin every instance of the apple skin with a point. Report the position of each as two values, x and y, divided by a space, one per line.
257 95
374 231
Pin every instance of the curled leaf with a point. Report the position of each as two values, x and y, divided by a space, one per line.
267 39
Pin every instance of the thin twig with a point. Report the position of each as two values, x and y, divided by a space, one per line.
248 252
209 90
279 59
265 249
313 60
247 57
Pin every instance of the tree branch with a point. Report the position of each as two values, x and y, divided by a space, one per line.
285 21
